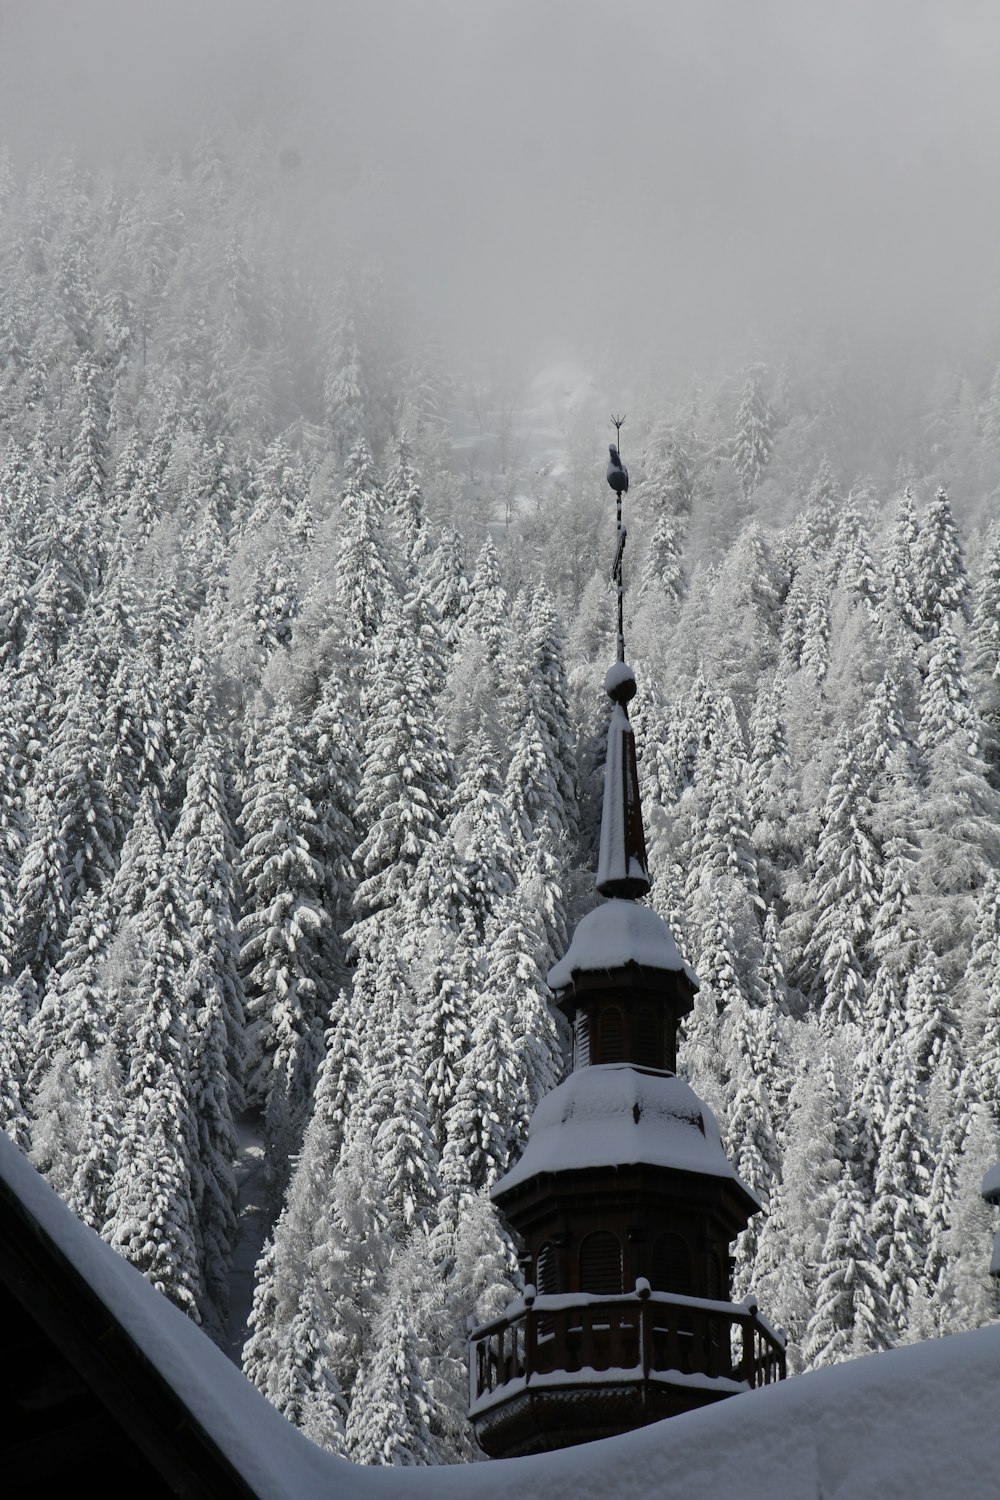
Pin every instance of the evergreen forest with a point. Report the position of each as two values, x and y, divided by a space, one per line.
301 755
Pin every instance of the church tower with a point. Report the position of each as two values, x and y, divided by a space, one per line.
624 1201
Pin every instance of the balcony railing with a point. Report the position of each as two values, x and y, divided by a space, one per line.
543 1341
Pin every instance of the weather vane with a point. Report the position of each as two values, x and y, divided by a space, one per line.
618 480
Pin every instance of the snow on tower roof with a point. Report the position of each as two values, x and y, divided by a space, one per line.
616 1115
615 934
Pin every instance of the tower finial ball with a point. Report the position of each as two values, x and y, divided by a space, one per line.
620 684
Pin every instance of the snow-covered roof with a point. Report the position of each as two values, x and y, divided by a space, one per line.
590 1120
614 934
276 1460
915 1421
991 1184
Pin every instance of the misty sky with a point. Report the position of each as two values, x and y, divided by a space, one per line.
528 172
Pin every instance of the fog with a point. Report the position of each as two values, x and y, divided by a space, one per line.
676 181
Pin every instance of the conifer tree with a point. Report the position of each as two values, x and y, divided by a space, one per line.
391 1409
547 690
303 1386
791 1241
448 584
514 983
850 1313
333 766
901 562
43 903
845 869
489 608
444 996
941 580
13 824
982 988
404 503
481 830
754 434
946 706
932 1033
405 776
14 1012
281 933
959 846
404 1152
663 577
367 575
483 1123
80 799
902 1187
205 842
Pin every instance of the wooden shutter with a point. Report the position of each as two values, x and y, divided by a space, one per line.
646 1050
601 1264
612 1035
546 1279
672 1265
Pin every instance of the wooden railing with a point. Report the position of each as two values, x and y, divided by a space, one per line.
637 1335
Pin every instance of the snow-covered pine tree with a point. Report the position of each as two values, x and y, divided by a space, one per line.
754 436
942 583
851 1312
488 613
902 1187
405 779
663 579
151 1210
281 935
204 841
844 876
900 562
946 702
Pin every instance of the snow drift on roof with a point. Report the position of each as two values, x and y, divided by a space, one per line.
618 933
590 1121
913 1422
991 1185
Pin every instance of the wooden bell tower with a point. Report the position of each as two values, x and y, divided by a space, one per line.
624 1201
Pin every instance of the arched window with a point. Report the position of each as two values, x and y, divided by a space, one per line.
546 1277
612 1035
646 1050
601 1264
671 1268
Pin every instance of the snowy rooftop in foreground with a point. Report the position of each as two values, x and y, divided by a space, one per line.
590 1121
991 1185
618 933
916 1422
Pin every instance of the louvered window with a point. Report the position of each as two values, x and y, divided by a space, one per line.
714 1276
601 1264
612 1035
645 1039
672 1265
545 1271
582 1037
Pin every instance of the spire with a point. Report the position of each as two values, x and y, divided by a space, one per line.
622 866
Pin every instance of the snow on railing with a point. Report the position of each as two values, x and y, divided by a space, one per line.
636 1335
